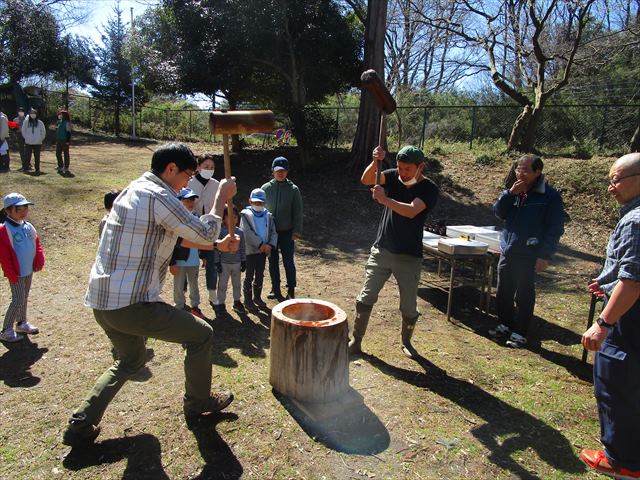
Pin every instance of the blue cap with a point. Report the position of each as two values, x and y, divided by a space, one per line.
15 200
280 163
187 193
258 195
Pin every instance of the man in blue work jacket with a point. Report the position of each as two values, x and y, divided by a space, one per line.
616 334
533 224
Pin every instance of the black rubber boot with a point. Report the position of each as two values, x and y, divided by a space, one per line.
360 323
248 299
408 325
291 293
257 296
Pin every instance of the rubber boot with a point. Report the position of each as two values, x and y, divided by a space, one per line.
275 294
248 298
257 297
408 324
291 293
360 323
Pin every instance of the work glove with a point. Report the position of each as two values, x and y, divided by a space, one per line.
243 266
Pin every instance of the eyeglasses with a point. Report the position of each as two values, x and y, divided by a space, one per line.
615 181
191 173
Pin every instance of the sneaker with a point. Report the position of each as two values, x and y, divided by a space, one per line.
500 331
9 335
238 307
219 309
79 433
198 313
516 341
259 302
65 171
275 296
26 327
215 403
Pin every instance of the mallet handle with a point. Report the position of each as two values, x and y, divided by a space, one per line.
227 175
379 163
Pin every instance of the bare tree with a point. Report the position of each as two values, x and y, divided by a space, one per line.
526 33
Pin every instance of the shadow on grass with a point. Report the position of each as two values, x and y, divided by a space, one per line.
508 431
16 363
220 461
465 314
240 331
342 426
142 452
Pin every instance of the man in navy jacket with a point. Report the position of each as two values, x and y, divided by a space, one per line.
534 222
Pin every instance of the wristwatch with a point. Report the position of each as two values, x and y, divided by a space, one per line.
604 324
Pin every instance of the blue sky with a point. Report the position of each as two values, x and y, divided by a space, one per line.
100 11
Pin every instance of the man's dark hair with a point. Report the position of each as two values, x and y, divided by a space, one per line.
109 198
536 162
205 156
177 153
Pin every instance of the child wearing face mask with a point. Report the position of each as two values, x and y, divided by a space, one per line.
229 266
205 186
33 132
63 139
20 255
260 237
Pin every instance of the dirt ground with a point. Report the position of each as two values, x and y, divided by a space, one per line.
470 408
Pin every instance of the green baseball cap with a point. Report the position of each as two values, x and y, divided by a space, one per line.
410 154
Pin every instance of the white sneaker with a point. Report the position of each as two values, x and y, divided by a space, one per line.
516 341
500 331
9 335
26 327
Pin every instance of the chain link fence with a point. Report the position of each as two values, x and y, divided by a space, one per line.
565 129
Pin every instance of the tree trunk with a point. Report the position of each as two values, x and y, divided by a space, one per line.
528 139
309 360
116 115
635 141
518 127
368 115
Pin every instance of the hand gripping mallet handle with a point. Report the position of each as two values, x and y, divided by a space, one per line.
236 122
386 103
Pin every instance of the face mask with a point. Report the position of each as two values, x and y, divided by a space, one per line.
411 181
59 117
21 114
206 174
32 115
257 208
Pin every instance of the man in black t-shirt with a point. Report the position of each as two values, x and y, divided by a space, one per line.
407 196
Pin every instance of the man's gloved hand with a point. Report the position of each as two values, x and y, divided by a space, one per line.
243 266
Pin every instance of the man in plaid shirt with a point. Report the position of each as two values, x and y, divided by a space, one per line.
126 279
616 335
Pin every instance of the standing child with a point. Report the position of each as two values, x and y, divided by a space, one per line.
63 140
205 186
260 236
185 264
20 255
230 264
109 198
34 133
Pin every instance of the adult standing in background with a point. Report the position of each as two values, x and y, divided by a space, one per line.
205 186
34 133
533 224
63 140
19 120
4 145
616 335
284 201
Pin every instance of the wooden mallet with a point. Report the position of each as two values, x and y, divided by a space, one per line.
237 122
386 103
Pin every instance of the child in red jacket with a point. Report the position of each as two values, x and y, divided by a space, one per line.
20 256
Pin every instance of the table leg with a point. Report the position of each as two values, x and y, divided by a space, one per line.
450 298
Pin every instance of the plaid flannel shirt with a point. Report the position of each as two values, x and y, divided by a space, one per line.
623 249
137 243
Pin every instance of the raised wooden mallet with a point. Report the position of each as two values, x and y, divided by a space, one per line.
238 122
386 104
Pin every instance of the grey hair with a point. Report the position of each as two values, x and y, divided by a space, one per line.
629 163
